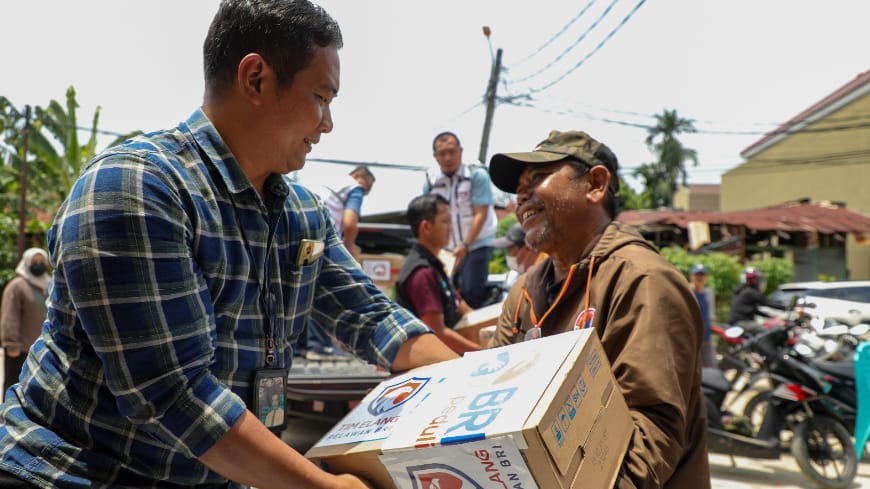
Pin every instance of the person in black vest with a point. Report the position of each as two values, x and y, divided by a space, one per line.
423 286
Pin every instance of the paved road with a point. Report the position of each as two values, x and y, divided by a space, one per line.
760 474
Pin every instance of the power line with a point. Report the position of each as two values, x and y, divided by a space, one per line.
556 35
375 164
529 103
595 50
572 46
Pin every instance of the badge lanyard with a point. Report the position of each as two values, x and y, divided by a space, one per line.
269 385
265 304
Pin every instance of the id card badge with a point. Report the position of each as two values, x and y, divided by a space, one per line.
269 391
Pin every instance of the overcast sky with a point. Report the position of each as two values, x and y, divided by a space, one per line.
411 69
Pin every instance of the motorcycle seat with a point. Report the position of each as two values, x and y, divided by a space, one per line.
715 379
843 370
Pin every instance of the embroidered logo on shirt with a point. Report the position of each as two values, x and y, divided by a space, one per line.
584 319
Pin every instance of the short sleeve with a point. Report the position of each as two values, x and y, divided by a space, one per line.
424 291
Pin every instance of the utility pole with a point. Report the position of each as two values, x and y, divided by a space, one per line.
490 100
22 203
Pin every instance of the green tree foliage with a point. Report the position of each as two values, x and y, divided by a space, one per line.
776 271
497 263
662 177
724 273
55 157
629 199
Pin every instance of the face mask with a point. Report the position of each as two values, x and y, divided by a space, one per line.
37 269
514 265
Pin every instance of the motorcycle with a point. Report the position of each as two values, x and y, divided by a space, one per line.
798 405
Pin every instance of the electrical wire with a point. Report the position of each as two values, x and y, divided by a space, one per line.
556 35
595 50
374 164
572 46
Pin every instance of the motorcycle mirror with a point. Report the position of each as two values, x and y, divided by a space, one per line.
835 330
859 329
734 332
804 350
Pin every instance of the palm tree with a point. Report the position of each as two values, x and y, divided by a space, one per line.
59 159
672 155
54 159
656 187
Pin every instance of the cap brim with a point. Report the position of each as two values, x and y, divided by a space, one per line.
505 168
502 242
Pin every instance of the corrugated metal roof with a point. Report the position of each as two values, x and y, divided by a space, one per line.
807 217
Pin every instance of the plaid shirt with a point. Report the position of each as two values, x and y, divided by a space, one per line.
165 261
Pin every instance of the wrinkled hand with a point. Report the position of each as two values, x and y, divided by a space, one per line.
349 481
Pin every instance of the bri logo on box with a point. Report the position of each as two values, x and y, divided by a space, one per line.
440 476
500 364
396 395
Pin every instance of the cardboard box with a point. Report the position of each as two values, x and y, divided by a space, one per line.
471 324
354 444
383 268
545 413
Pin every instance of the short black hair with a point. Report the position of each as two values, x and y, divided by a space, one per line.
423 208
364 170
285 33
444 135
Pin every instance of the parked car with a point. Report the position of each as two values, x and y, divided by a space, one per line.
845 301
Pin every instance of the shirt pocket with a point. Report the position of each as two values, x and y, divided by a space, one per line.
299 287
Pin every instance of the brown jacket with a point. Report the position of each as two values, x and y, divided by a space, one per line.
650 325
21 315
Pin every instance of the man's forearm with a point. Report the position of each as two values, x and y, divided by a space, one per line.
424 349
350 228
250 454
477 223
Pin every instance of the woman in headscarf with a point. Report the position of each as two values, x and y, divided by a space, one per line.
23 311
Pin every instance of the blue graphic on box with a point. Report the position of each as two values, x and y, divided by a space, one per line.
571 404
486 368
594 362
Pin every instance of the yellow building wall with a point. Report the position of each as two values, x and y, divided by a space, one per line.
828 160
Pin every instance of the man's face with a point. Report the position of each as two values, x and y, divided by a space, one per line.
295 117
448 154
439 231
551 204
365 181
698 279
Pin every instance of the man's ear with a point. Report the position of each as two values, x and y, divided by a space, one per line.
253 71
598 179
423 229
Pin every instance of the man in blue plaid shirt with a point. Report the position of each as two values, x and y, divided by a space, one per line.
185 264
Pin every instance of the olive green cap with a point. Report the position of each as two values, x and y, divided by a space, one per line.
505 168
